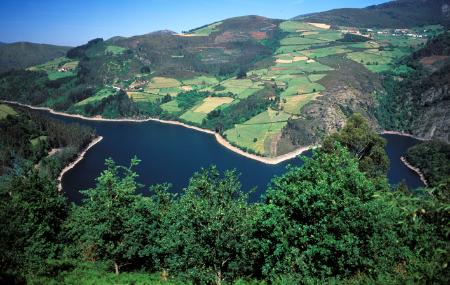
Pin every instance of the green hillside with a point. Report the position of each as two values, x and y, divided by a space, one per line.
23 54
399 13
268 86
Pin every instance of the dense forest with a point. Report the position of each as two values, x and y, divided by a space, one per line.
334 220
433 159
30 139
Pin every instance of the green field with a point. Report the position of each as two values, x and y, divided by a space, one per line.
34 142
206 31
5 110
101 94
194 117
143 97
115 50
171 107
294 104
58 68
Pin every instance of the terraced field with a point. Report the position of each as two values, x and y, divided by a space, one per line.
251 111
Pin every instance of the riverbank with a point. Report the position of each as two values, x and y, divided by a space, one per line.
415 169
384 132
221 140
76 161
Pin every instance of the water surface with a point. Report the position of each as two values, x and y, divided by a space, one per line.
171 153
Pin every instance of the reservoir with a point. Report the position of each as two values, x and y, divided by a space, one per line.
172 153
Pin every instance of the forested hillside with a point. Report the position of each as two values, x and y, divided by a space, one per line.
333 220
28 139
398 13
23 54
419 103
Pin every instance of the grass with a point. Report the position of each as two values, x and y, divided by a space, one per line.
201 80
194 117
143 97
327 51
6 110
54 75
257 133
242 88
211 103
34 142
294 104
52 68
115 50
296 26
316 77
171 107
292 41
206 31
254 137
101 94
301 85
163 86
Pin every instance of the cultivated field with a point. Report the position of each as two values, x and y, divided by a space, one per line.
5 110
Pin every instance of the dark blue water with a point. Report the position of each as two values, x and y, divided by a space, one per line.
172 154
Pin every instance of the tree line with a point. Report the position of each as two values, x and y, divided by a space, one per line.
333 220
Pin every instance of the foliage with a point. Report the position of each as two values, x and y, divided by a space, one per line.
305 227
31 215
207 229
364 143
114 223
433 159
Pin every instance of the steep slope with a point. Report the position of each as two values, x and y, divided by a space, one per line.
220 48
394 14
420 103
23 54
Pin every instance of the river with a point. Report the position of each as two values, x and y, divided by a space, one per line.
171 153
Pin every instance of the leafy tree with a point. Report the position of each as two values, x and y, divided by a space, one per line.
31 215
326 219
114 223
207 229
368 147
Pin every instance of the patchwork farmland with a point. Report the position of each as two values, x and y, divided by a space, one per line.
252 106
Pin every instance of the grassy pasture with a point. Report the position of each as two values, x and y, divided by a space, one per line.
294 104
206 31
171 107
269 116
296 26
52 67
194 117
201 80
115 50
301 85
316 77
163 86
292 48
5 110
242 88
143 97
53 75
101 94
327 51
255 136
211 103
293 41
304 66
34 142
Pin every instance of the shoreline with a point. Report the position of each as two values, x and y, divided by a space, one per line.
385 132
221 140
415 169
79 158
